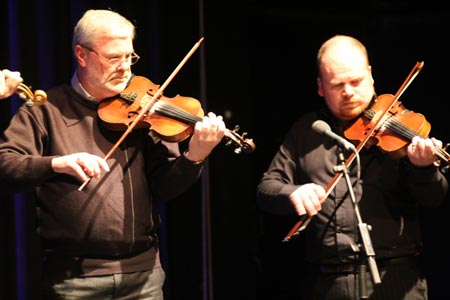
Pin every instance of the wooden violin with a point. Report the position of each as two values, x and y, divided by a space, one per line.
395 131
170 118
38 97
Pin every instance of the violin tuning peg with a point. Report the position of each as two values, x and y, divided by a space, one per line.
446 146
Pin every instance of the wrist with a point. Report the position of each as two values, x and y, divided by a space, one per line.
190 159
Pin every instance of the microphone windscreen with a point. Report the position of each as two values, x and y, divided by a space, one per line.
320 126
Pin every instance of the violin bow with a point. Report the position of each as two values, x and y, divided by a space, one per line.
305 219
147 107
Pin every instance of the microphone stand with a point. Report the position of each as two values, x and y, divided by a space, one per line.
363 231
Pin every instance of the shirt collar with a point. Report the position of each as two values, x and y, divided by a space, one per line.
78 87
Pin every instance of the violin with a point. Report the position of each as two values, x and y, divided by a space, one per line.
172 119
389 125
396 130
38 97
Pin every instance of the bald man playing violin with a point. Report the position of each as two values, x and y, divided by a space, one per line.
389 192
9 82
99 242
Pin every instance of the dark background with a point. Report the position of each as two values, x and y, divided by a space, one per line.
256 67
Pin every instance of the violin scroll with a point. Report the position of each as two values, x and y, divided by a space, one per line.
244 144
444 157
38 97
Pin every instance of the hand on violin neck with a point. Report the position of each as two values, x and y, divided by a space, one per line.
9 82
421 151
208 133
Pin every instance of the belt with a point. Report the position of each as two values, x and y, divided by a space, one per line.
354 267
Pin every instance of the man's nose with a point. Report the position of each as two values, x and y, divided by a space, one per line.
347 90
124 64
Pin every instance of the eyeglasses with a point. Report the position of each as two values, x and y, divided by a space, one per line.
116 61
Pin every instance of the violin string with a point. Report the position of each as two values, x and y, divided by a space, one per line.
181 115
175 112
407 132
404 131
399 128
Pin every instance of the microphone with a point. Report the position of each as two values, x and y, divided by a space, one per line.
322 127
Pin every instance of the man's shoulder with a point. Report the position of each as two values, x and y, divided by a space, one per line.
306 120
59 90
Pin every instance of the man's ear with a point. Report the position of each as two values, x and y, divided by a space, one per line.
80 55
370 71
319 87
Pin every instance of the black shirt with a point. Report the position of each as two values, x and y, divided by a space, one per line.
389 194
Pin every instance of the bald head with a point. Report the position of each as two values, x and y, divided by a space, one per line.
341 50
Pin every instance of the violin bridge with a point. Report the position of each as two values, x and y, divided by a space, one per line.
130 97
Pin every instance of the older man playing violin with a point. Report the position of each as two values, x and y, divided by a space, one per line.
101 242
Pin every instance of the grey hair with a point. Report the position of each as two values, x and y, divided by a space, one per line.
95 23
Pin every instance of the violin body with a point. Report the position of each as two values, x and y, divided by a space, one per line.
119 112
390 127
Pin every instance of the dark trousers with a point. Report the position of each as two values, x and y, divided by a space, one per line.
146 285
399 281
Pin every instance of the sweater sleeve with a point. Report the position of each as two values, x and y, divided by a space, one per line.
169 172
22 164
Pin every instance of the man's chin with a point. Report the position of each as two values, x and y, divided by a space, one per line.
118 85
351 115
